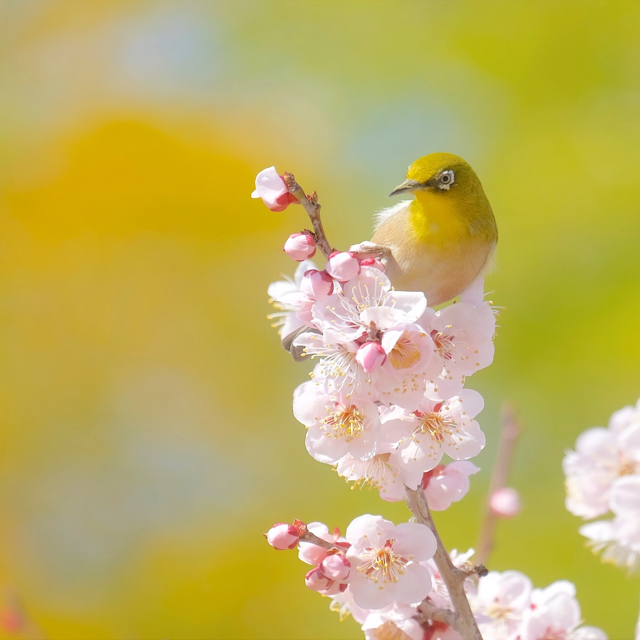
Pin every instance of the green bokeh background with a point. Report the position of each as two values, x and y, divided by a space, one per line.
148 440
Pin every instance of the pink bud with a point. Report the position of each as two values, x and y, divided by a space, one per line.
372 262
316 284
505 502
283 536
343 266
370 356
270 187
300 246
317 581
336 567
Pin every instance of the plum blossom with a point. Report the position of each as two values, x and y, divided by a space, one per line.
382 471
447 483
386 559
500 603
289 301
314 554
463 337
601 458
335 425
619 539
270 187
435 428
394 621
343 266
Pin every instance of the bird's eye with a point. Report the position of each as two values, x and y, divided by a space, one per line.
446 179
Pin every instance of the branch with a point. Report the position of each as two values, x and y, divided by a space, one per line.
313 539
453 577
509 433
430 613
311 206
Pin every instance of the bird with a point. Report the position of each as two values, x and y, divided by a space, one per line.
442 241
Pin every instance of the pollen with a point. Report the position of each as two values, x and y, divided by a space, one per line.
383 566
344 422
405 354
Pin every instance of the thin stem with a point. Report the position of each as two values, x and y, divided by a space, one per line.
311 206
452 576
509 433
313 539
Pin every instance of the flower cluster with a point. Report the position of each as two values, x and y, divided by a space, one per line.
384 577
602 476
507 607
386 400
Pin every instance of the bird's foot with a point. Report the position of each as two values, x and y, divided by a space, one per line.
367 248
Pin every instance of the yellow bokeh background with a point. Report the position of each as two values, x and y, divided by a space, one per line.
148 440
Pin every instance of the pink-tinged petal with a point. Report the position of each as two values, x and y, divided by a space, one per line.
412 303
270 187
471 402
625 495
369 595
474 293
414 541
323 448
336 567
367 530
467 443
317 284
397 424
587 633
414 585
311 553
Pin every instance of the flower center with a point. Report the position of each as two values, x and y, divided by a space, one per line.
389 631
345 422
436 426
628 467
444 344
383 565
405 354
499 611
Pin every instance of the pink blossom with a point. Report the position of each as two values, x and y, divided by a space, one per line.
619 539
373 262
317 284
447 483
370 356
343 266
300 246
500 604
386 560
335 425
289 301
394 621
555 613
283 536
270 187
463 336
382 471
435 428
505 502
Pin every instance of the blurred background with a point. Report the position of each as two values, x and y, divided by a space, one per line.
147 434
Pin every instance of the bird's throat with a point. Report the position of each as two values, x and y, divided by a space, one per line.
435 219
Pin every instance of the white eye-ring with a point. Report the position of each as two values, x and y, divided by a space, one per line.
446 179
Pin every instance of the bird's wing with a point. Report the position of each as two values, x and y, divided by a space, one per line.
380 216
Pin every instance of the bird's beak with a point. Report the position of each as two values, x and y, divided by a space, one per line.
407 185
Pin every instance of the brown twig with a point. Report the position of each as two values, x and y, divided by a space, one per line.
509 433
453 577
311 206
313 539
427 612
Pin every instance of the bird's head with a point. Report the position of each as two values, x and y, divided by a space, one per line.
440 173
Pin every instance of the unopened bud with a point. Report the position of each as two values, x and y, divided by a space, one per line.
270 187
316 284
370 356
300 246
336 567
505 502
283 536
343 266
317 581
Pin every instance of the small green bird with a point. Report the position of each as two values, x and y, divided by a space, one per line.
444 239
